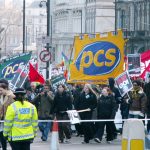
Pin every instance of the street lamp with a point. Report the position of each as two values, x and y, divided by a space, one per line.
48 31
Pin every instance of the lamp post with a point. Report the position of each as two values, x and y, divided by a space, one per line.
81 20
48 31
23 42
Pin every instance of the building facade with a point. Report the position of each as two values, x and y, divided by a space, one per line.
10 29
77 17
133 16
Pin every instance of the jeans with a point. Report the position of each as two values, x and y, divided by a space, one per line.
44 128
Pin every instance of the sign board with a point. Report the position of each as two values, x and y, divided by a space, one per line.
43 39
73 116
123 83
134 67
45 56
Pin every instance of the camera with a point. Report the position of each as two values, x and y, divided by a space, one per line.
39 89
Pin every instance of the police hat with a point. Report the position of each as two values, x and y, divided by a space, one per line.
20 91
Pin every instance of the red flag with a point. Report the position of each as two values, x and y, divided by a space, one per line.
34 76
147 69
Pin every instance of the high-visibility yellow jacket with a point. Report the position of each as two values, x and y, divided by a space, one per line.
21 121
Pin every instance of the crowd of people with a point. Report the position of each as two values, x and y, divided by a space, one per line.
101 101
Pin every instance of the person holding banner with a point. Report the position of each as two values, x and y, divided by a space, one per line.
118 99
62 103
138 101
87 101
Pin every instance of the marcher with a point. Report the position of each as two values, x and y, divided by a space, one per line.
62 103
87 100
76 91
44 101
20 126
5 101
118 99
106 109
138 101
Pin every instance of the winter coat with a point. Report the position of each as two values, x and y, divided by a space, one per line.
138 101
85 102
62 102
5 101
106 107
45 104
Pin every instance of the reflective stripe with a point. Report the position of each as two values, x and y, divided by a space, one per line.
7 127
35 126
21 126
24 120
15 109
8 121
21 137
32 111
34 121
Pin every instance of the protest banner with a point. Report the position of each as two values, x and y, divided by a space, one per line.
134 67
58 79
97 59
15 70
73 116
123 83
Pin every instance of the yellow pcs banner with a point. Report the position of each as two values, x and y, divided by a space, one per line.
97 59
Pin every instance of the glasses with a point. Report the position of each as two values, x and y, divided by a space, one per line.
135 85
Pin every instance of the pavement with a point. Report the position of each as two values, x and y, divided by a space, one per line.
75 144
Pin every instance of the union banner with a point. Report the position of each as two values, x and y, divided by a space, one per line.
97 59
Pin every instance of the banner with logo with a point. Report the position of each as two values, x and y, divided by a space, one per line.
134 67
124 83
97 59
15 70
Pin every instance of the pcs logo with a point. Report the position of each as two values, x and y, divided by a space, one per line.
98 58
11 68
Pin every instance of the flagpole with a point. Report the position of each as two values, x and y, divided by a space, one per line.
24 80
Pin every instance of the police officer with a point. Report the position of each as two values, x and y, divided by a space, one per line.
21 122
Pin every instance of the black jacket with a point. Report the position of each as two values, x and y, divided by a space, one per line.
106 108
62 102
85 102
